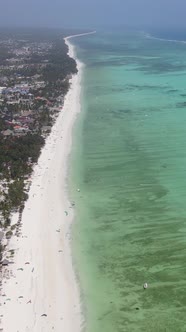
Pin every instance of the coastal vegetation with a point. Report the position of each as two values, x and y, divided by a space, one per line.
35 70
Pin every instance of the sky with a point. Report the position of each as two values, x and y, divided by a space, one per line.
92 13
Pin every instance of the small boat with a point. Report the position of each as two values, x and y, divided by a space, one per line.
145 285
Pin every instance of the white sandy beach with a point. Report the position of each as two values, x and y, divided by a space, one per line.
46 284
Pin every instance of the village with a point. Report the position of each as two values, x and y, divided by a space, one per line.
22 90
35 72
20 109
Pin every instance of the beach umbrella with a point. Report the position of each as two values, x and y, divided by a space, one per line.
5 262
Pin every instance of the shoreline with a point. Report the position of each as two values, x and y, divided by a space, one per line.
41 293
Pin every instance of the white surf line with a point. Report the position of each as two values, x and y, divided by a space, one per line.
79 35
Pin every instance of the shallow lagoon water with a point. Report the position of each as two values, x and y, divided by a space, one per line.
129 160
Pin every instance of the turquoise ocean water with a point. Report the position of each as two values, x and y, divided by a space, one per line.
129 160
